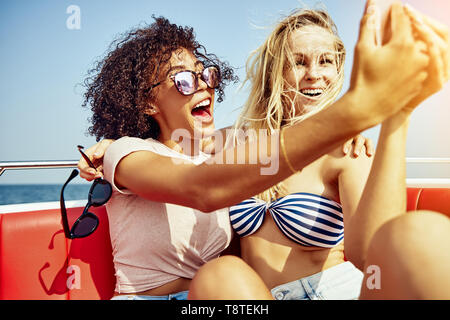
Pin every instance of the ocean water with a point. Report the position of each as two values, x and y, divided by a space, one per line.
28 193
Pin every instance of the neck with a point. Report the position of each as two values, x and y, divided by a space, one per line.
187 146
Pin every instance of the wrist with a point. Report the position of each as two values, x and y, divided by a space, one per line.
397 121
394 133
357 112
404 115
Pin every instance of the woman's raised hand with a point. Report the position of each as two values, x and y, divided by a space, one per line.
390 76
436 39
95 154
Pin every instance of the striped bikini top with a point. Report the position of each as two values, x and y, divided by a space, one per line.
307 219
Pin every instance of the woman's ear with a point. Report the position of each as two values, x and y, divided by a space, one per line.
151 110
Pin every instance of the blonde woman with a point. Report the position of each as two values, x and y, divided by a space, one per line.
292 234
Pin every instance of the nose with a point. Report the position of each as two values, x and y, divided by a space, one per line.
201 83
312 73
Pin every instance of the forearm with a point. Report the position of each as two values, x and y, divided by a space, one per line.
384 195
223 180
328 129
304 143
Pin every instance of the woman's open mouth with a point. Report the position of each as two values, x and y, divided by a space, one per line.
312 93
202 111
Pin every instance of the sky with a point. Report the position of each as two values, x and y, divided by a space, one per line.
46 53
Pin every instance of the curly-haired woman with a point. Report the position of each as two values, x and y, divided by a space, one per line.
166 216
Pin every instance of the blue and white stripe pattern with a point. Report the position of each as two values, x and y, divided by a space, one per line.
305 218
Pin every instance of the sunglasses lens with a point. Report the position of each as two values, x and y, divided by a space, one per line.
100 193
211 77
186 82
85 225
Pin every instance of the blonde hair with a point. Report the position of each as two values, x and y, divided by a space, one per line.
269 105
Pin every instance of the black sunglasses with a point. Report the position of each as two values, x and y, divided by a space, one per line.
99 193
186 81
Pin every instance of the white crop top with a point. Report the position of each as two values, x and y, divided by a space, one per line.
155 243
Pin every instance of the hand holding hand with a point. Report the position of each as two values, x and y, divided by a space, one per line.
435 37
390 75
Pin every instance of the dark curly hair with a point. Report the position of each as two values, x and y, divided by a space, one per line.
119 86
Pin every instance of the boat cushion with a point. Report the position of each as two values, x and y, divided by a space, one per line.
38 262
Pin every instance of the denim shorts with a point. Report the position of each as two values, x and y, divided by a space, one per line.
341 282
176 296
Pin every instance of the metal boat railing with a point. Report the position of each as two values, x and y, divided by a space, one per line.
20 165
428 182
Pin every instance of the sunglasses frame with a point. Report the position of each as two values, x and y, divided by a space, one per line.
70 232
196 76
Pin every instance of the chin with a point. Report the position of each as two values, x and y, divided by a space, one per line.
202 129
307 108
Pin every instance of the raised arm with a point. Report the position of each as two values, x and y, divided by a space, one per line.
221 181
367 206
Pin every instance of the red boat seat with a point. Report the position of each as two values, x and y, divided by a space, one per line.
38 262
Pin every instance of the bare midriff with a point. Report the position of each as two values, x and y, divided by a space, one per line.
179 285
279 260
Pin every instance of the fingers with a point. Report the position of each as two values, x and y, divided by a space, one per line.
436 37
95 154
437 51
440 29
363 144
369 24
368 144
422 46
99 173
358 144
86 172
347 146
436 54
425 30
400 24
437 65
437 68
